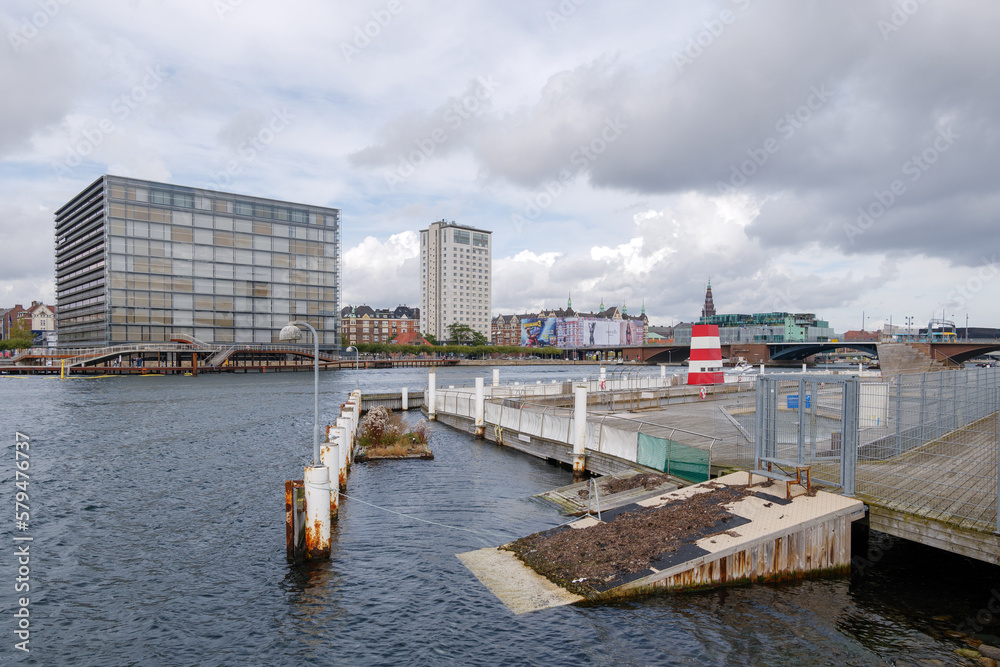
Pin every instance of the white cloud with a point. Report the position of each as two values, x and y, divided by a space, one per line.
383 274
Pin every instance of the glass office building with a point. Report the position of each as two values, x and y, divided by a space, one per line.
138 261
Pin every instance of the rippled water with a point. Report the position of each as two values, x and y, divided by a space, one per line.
157 509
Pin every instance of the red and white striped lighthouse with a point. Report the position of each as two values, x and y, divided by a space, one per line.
705 363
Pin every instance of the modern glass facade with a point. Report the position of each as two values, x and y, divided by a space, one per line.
138 261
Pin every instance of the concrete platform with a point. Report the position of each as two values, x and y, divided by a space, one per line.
520 588
768 539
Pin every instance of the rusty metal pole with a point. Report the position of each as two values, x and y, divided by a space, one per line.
580 431
431 396
317 483
480 408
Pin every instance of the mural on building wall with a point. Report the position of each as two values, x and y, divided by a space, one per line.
575 332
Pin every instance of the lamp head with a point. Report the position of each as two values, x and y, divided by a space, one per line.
290 332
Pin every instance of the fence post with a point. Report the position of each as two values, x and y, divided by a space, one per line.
849 438
923 408
813 412
758 445
801 415
480 408
580 428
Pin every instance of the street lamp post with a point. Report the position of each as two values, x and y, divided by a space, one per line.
357 382
291 331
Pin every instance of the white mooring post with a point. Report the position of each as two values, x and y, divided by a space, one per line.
346 448
330 455
762 369
663 372
431 396
480 407
803 368
496 377
317 483
404 400
580 430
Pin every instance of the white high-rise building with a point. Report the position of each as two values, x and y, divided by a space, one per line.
455 270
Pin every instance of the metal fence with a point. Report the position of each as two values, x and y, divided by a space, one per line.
683 453
926 443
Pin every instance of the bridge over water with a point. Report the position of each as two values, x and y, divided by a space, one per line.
899 356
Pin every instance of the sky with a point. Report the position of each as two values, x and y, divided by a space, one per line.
837 158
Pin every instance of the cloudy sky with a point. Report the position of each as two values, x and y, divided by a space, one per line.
811 156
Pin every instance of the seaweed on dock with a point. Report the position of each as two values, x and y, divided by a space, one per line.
592 559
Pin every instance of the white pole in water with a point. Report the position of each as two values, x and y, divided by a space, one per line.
803 368
580 430
496 377
431 396
404 400
331 459
317 483
480 407
344 437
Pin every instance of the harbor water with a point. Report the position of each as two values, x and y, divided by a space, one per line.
158 538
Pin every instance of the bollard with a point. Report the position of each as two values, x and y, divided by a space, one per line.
480 408
663 371
330 455
317 483
580 431
346 448
404 400
762 369
496 377
803 368
343 453
431 396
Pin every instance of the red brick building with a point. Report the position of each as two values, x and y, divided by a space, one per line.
364 324
505 330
